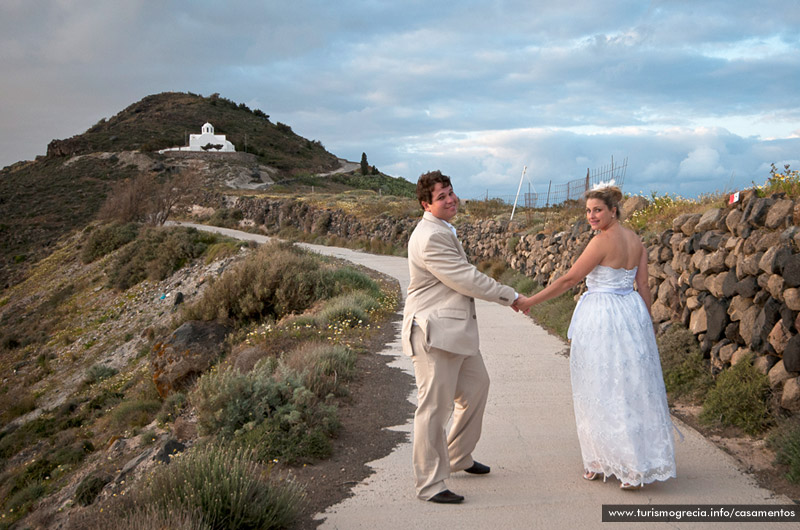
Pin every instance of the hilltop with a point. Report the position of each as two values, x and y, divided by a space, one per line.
48 198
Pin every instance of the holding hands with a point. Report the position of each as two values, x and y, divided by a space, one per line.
523 303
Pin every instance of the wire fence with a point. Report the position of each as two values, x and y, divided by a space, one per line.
558 193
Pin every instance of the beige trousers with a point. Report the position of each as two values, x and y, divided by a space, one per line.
446 384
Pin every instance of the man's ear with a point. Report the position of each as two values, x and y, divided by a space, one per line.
425 206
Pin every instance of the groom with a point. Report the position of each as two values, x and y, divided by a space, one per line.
440 333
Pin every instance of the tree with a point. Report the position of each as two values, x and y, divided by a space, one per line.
364 164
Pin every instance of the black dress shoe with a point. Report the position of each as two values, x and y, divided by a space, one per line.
446 497
478 469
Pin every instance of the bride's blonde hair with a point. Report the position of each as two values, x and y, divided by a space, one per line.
610 195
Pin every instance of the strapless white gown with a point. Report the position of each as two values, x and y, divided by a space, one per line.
618 390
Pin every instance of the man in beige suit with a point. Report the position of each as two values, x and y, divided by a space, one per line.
440 333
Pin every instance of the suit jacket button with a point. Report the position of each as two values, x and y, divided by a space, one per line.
474 317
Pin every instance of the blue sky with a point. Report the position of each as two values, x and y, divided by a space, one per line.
699 96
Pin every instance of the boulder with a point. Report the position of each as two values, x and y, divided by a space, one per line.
777 375
780 214
738 306
740 354
689 224
747 287
190 350
632 204
791 298
791 270
711 220
790 398
779 337
764 363
775 286
732 220
756 211
716 318
698 322
791 354
747 323
774 259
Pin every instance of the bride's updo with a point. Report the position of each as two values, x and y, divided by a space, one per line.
610 195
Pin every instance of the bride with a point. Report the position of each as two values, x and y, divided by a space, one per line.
620 402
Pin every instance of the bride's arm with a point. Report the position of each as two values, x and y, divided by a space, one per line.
642 284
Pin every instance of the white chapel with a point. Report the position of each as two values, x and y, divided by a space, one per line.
206 141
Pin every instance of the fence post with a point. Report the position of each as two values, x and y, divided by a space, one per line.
587 180
547 203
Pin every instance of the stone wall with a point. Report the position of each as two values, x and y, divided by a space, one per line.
731 275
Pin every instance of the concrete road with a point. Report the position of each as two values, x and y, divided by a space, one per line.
530 442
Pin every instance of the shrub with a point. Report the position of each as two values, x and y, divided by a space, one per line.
785 441
171 407
739 398
227 487
347 310
321 367
99 372
106 239
136 413
226 400
686 373
89 488
156 253
277 280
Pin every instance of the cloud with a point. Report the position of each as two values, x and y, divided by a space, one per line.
696 95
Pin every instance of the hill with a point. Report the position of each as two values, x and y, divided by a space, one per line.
43 200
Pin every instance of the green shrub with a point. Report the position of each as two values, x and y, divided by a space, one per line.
739 398
277 280
89 488
21 501
106 239
785 441
227 400
99 372
227 487
344 279
156 253
136 413
686 372
322 368
171 407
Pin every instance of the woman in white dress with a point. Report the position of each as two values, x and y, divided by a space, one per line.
618 390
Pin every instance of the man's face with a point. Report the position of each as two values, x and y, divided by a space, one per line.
444 203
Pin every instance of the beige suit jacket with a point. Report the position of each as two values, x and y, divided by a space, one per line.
442 289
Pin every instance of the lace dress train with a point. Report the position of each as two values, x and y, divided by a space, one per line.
618 390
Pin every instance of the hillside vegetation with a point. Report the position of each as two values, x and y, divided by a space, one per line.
43 200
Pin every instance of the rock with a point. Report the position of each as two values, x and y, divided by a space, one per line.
738 306
747 287
764 363
732 220
790 399
716 318
774 259
632 204
778 374
738 355
189 351
661 313
711 220
779 337
727 351
756 211
747 323
170 449
698 322
689 224
791 298
791 354
780 214
791 271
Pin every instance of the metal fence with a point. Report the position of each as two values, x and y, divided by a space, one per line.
558 193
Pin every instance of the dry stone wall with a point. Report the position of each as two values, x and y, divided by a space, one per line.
731 275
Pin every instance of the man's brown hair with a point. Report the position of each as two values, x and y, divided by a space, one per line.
426 183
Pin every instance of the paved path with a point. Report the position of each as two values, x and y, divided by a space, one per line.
530 442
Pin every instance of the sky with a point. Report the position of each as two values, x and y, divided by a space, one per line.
699 97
